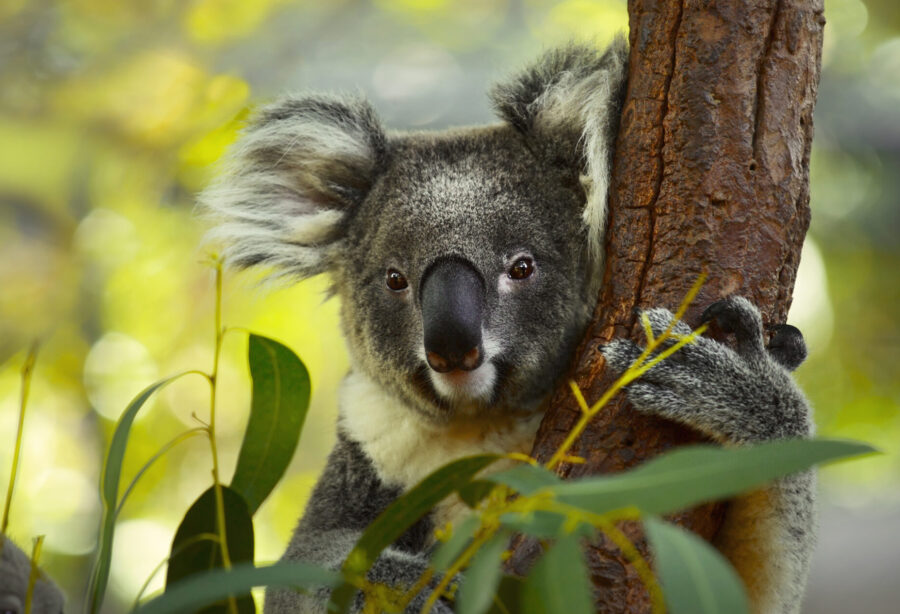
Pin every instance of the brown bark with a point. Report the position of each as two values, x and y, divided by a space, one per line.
711 175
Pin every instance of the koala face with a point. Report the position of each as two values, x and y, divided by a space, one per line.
486 240
466 261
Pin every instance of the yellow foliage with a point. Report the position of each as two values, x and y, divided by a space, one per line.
578 19
415 6
216 21
157 98
8 8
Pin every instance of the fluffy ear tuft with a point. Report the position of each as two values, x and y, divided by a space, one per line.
296 174
572 98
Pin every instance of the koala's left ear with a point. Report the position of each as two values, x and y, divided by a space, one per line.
295 176
569 102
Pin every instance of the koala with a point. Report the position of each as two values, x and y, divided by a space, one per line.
15 572
468 263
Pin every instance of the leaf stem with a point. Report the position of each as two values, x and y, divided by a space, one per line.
461 561
35 572
27 371
211 431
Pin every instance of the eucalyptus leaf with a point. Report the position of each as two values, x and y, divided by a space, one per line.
474 492
281 391
209 587
559 581
507 597
526 478
482 576
447 553
696 579
695 474
543 524
109 492
193 555
402 514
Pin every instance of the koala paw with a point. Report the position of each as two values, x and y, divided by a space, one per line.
739 395
787 346
739 316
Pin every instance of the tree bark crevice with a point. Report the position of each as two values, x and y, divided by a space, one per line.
760 81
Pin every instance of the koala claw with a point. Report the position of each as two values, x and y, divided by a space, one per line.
787 346
739 316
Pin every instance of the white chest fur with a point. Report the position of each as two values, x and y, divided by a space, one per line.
405 447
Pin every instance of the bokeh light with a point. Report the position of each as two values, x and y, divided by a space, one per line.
113 114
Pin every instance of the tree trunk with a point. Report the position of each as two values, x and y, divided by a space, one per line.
711 175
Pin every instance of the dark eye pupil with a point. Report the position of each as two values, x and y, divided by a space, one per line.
395 280
522 268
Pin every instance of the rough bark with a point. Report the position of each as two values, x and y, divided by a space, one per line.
711 175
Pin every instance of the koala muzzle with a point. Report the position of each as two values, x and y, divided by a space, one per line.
452 313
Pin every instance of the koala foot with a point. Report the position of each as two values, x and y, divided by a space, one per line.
737 395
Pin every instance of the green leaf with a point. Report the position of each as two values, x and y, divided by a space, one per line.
696 579
482 576
402 514
559 581
543 524
695 474
109 492
526 478
447 553
472 493
281 390
203 589
192 554
507 597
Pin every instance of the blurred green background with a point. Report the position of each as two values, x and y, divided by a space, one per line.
112 115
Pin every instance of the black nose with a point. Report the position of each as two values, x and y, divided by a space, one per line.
452 314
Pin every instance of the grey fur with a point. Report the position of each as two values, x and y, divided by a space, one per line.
327 532
316 185
15 571
291 182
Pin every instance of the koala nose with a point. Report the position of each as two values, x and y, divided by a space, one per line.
452 313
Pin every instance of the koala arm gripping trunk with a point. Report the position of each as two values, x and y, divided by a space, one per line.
347 498
736 397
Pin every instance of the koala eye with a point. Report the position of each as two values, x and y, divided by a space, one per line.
521 268
396 281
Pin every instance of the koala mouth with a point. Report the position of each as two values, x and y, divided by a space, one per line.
481 388
458 385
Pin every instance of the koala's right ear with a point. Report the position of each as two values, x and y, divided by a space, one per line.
292 181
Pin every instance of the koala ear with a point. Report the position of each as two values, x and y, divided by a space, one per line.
291 182
570 99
